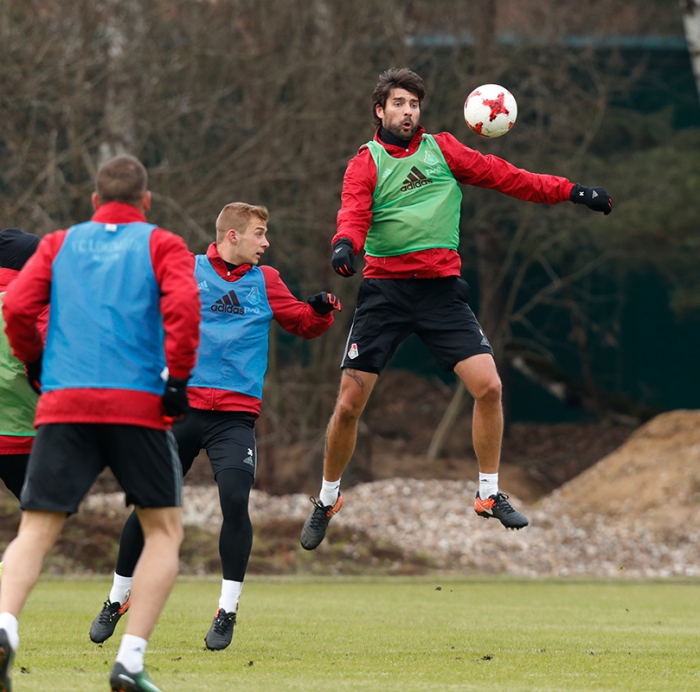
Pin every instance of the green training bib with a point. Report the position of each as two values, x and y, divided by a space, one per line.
416 202
17 398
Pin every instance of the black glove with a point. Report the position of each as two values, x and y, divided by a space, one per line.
175 397
323 303
595 198
343 259
33 371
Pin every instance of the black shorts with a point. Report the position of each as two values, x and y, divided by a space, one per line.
67 458
227 436
13 469
390 310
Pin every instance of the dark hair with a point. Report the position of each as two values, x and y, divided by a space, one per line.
122 179
16 247
395 78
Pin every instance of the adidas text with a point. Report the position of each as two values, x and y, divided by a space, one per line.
418 183
415 179
230 309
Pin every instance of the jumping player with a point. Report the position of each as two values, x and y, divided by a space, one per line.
239 301
401 204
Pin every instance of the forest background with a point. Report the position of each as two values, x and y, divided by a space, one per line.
594 319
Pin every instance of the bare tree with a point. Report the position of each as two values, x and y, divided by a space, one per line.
691 23
265 101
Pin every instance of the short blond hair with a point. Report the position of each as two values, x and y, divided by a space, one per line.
237 215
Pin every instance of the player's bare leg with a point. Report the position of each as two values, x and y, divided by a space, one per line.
153 580
156 569
23 559
481 379
341 437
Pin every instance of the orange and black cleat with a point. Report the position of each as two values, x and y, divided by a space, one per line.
106 621
314 529
498 507
221 631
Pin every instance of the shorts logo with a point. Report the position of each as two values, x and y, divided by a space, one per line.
353 352
228 303
249 458
415 179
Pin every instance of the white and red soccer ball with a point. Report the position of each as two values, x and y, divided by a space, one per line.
490 110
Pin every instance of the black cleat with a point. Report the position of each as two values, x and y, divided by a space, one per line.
314 530
104 624
498 507
7 656
221 631
121 680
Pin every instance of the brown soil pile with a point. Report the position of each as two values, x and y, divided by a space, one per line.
653 478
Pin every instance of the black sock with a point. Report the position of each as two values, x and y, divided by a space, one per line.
130 546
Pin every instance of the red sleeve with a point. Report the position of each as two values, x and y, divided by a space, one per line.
293 315
355 215
42 323
25 304
173 265
474 168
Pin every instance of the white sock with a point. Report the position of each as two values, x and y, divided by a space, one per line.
230 595
329 492
9 623
121 588
488 485
131 652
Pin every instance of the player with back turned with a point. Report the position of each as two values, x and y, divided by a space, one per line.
124 306
401 204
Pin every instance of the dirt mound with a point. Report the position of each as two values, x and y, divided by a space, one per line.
653 478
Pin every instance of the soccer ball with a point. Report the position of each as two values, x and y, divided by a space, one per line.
490 110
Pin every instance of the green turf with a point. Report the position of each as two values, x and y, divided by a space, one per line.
383 634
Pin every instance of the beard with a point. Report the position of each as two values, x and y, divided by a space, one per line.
397 131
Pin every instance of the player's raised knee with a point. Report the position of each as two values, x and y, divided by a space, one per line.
489 390
348 408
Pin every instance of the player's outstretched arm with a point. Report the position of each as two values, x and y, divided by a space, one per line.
595 198
297 316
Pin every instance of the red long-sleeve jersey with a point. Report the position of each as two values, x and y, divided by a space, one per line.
291 314
468 166
30 293
16 444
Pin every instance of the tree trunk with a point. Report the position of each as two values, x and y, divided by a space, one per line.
489 256
691 23
577 395
122 36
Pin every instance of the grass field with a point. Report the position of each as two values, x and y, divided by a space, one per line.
383 634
